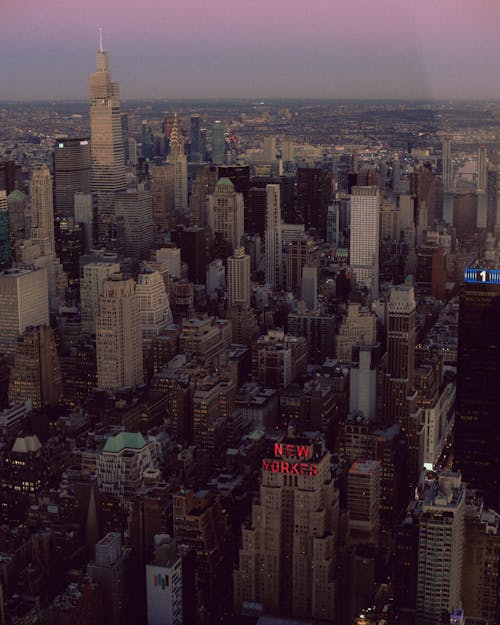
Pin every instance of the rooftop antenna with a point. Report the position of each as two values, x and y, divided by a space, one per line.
100 40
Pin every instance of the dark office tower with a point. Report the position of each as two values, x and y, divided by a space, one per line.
192 243
36 374
255 215
218 142
195 139
314 190
203 144
423 185
134 223
9 172
5 250
71 173
163 190
239 175
126 150
70 246
401 328
477 426
147 141
203 184
107 167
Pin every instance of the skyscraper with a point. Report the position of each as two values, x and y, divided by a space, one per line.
226 210
5 251
118 335
24 302
42 211
287 557
218 142
177 157
71 172
477 431
36 374
447 166
364 250
238 279
154 307
270 149
440 549
163 190
314 190
134 223
91 287
107 166
195 138
274 251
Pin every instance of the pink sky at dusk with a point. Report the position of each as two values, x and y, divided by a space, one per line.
253 48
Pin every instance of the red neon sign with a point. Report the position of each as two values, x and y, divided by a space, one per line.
290 468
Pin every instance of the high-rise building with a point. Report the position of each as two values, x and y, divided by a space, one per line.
195 153
270 149
91 287
164 584
363 500
364 246
226 210
401 333
477 432
288 552
274 251
163 190
440 549
171 256
134 223
218 142
204 182
19 214
5 251
358 326
314 191
24 302
199 526
482 171
42 211
36 374
177 157
447 166
238 279
9 173
109 571
71 172
121 464
118 335
107 165
154 307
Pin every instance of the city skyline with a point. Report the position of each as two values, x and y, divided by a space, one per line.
388 50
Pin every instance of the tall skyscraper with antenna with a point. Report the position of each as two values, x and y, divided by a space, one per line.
107 165
177 157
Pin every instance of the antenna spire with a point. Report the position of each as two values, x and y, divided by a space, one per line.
100 40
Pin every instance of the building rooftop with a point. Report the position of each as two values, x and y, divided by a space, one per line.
124 440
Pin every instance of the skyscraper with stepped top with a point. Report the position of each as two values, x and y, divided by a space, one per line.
107 165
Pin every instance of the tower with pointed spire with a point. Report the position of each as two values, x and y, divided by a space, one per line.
107 164
177 157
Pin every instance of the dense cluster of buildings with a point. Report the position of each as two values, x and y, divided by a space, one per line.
247 385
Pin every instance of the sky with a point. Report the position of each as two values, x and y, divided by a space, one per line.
175 49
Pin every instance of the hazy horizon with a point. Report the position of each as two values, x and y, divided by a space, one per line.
254 50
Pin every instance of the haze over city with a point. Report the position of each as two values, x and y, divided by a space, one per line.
254 48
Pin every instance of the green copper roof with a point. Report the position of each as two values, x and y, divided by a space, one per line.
17 195
124 440
224 182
